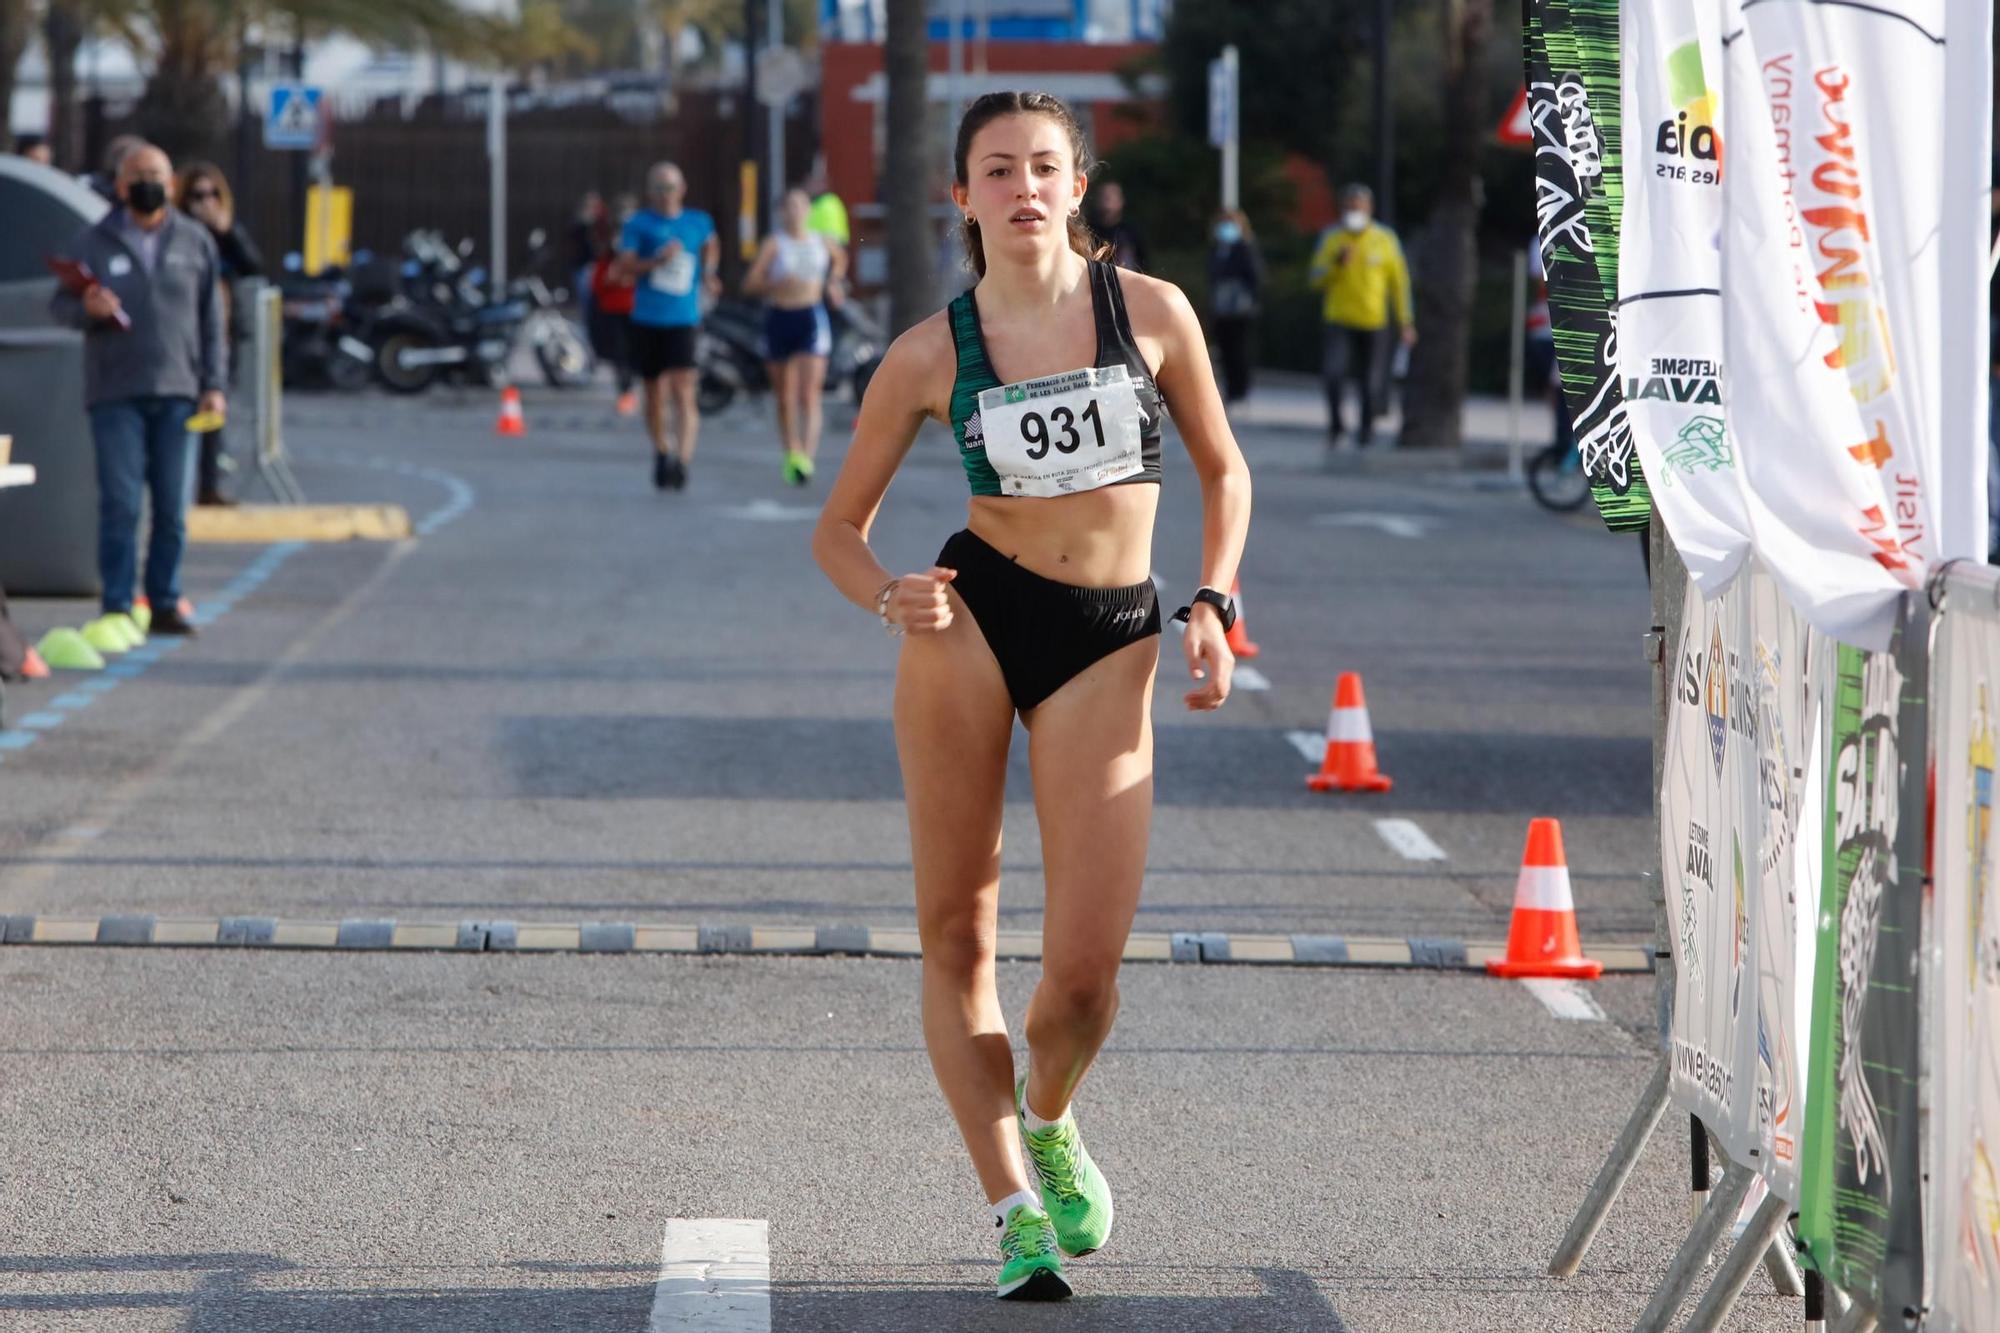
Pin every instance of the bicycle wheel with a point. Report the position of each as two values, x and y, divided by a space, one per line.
1557 481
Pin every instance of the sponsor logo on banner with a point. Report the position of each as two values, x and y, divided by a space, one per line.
1979 827
1678 380
1701 446
1687 146
1718 700
1826 213
1739 933
1866 772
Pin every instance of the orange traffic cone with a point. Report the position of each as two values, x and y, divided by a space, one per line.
1350 744
1542 940
1239 633
511 422
33 667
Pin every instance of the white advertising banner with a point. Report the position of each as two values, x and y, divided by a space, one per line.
1707 816
1740 833
1964 244
1669 286
1832 267
1787 662
1964 1212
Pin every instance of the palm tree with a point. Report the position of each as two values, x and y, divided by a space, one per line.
192 43
15 24
63 28
906 164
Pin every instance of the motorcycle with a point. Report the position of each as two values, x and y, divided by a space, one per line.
448 327
560 347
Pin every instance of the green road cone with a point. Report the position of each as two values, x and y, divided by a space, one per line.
67 650
142 615
106 635
128 624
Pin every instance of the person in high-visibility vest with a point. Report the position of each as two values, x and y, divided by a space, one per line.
828 215
1359 269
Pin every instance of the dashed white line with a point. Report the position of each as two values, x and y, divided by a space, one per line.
1565 999
1250 678
715 1277
1409 841
1308 743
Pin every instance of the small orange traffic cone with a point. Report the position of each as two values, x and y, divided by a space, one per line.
1542 940
1239 633
1350 743
33 667
511 422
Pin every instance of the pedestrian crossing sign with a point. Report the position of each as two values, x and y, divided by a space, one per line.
293 120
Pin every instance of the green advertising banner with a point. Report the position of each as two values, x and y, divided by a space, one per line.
1573 107
1860 1217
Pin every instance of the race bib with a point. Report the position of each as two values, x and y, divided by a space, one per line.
1065 433
675 277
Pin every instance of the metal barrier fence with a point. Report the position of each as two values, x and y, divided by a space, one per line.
268 463
1832 896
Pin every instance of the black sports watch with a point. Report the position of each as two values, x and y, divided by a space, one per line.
1224 604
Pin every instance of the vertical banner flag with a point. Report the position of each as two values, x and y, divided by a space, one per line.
1707 816
1669 280
1859 1206
1964 1236
1572 75
1964 243
1832 261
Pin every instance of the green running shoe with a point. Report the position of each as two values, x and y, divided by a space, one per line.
794 474
805 467
1031 1269
1073 1189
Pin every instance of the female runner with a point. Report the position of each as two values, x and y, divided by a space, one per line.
1051 373
798 273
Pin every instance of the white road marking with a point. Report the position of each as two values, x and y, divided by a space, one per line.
770 511
1250 678
1408 840
1395 525
715 1276
1308 743
1565 999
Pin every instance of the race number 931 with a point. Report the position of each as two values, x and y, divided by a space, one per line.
1063 433
1062 421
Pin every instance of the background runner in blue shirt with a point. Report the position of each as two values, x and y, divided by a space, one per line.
670 253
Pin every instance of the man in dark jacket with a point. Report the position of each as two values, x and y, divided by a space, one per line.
153 354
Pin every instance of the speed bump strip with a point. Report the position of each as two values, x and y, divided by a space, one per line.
366 934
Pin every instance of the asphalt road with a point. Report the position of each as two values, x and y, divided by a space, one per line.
575 699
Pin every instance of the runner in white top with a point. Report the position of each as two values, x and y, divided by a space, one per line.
798 273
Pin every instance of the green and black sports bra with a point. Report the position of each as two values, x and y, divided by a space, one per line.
1115 347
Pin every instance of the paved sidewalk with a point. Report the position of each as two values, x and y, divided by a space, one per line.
1283 400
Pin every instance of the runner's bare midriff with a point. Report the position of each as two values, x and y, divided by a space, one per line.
795 293
1098 539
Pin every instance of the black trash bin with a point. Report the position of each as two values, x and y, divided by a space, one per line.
48 531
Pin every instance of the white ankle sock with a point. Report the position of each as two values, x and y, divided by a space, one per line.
1011 1202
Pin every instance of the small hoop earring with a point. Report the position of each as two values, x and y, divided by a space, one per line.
971 221
1074 211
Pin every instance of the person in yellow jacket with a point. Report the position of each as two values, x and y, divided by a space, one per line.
1359 271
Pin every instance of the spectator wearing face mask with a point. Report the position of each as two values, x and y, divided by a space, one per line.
147 294
1235 287
1359 271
